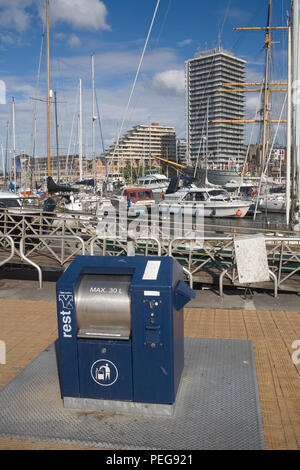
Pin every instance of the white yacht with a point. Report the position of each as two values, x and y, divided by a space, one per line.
273 201
214 201
16 204
156 182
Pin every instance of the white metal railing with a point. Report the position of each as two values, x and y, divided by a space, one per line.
223 273
12 248
51 237
104 249
192 243
216 251
211 253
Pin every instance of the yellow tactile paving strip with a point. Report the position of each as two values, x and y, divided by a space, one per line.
28 327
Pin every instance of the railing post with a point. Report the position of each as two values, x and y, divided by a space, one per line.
273 275
55 237
12 246
222 276
154 240
36 266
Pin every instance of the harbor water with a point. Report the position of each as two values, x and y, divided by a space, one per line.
264 221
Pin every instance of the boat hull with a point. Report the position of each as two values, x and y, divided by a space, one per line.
218 177
211 209
273 205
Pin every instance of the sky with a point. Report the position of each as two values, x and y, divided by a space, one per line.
115 32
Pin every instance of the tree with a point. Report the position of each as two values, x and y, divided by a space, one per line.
131 174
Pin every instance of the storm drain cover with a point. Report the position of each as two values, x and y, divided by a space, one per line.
217 406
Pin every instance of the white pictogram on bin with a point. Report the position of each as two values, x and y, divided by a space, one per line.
104 372
66 300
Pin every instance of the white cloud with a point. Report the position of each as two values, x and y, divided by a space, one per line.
252 105
117 64
14 14
146 104
169 82
7 39
74 41
185 42
115 71
240 15
82 14
16 86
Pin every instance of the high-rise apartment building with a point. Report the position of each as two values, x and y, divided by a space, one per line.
142 141
181 152
206 75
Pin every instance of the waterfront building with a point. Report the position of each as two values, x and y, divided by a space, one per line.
140 143
135 150
63 167
181 152
206 102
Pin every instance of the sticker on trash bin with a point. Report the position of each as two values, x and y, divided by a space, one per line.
104 372
151 270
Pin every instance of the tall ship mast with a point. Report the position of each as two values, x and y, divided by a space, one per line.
268 87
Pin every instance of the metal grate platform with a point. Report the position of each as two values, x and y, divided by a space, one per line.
217 406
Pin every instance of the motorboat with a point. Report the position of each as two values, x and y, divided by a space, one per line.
273 201
15 204
209 201
136 198
243 189
157 182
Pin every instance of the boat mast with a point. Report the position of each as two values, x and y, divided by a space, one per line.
2 155
57 143
93 122
80 130
289 131
48 89
206 152
14 144
266 109
296 113
6 153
